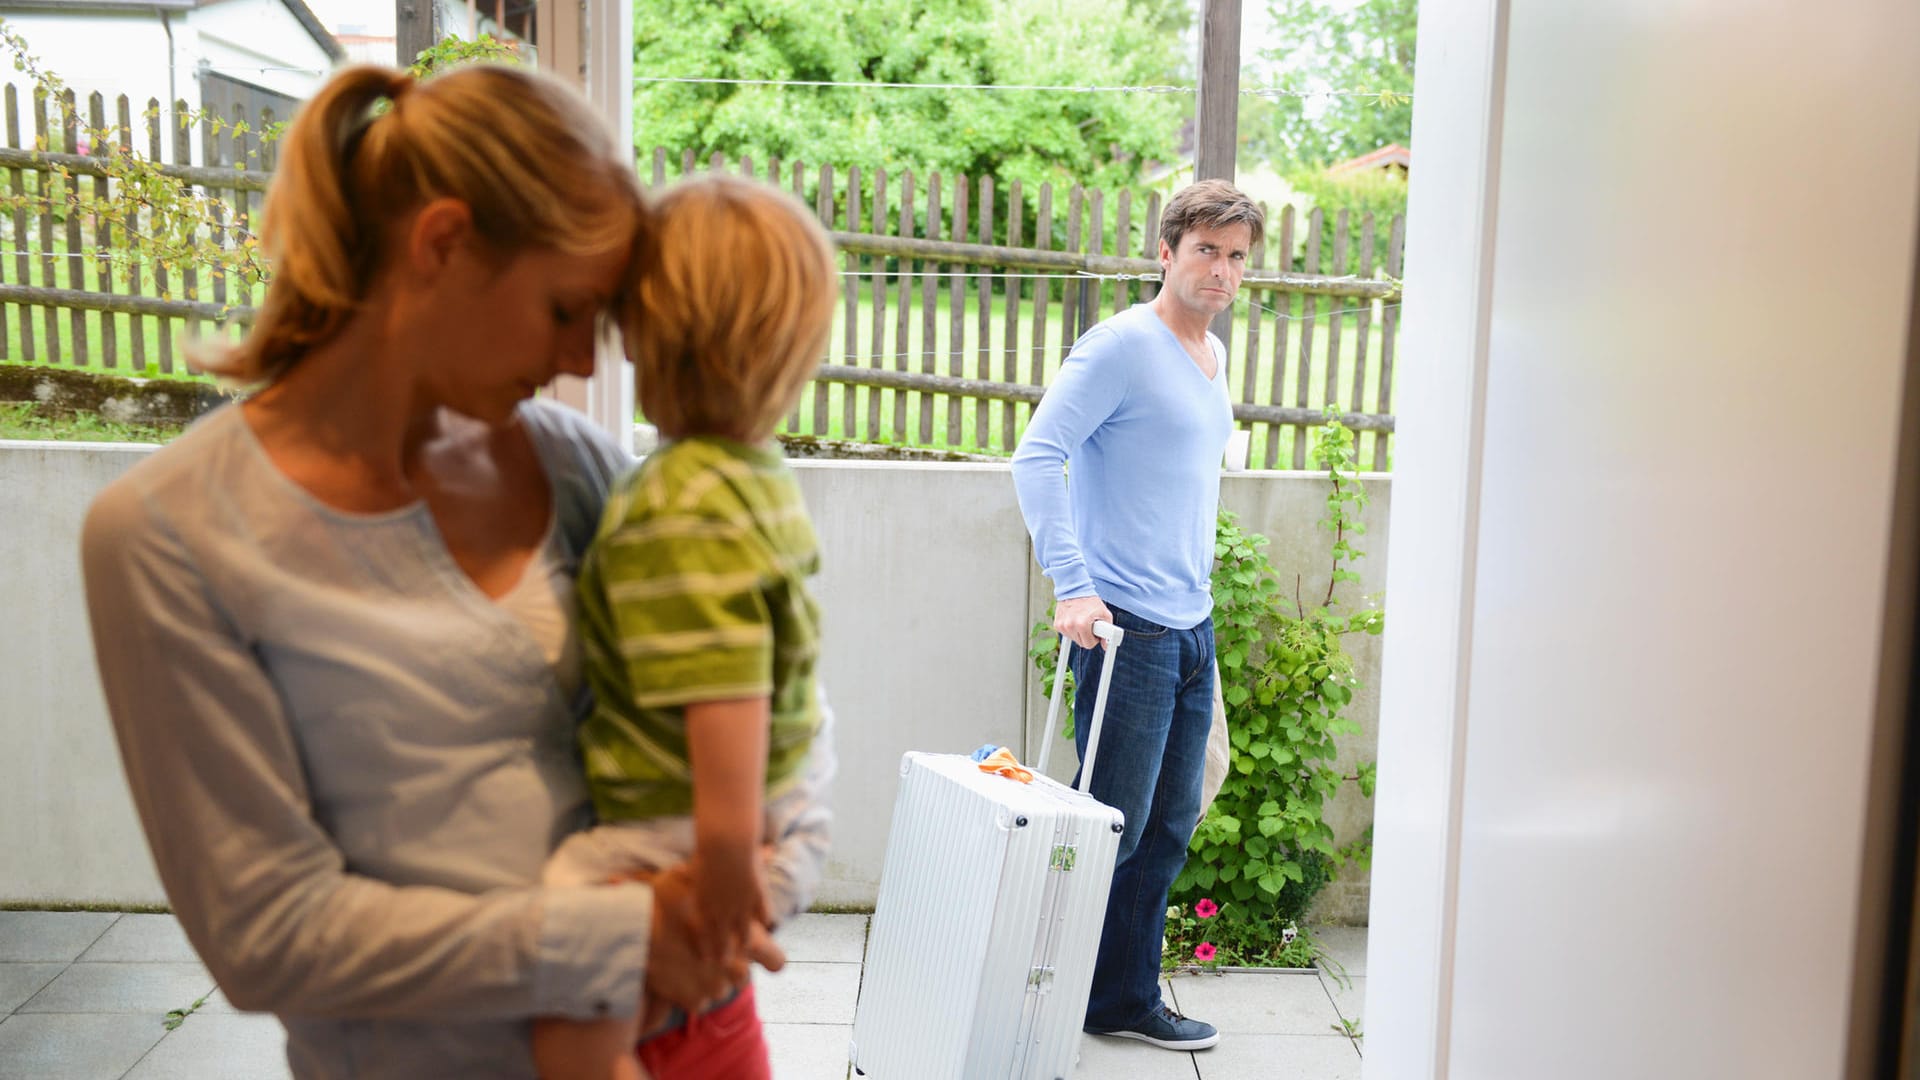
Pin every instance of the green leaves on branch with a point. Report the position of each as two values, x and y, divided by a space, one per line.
151 221
452 52
154 223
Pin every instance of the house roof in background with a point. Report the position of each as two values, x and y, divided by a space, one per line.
313 26
297 8
80 7
1388 155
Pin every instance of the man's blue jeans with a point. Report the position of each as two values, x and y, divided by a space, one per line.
1153 749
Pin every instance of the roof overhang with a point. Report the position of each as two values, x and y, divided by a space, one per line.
297 8
79 7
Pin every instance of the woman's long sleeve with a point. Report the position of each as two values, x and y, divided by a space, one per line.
261 888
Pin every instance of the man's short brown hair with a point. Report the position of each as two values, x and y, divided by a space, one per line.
729 313
1210 204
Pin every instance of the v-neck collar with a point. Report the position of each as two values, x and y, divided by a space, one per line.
1219 357
418 510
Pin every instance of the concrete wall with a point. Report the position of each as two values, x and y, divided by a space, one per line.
929 593
67 828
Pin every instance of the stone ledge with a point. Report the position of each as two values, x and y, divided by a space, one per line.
123 400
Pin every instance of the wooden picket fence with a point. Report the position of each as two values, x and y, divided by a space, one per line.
56 263
951 327
960 296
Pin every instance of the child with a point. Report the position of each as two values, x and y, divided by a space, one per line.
700 634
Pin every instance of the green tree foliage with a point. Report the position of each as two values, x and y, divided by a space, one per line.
1098 139
1368 47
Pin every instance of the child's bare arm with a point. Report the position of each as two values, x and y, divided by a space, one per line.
727 745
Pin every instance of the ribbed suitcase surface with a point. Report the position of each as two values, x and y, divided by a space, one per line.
989 913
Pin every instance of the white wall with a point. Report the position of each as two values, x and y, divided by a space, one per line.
1659 278
117 52
928 592
111 53
260 42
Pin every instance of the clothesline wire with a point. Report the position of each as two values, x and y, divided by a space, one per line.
1091 88
1246 91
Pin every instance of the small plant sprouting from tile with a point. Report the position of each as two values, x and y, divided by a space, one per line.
176 1017
1349 1028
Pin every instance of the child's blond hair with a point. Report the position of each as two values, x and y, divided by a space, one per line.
731 308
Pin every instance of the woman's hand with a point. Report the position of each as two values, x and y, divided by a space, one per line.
676 973
730 899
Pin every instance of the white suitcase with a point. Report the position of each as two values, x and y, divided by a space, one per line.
989 914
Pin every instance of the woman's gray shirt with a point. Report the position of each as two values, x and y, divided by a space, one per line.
350 763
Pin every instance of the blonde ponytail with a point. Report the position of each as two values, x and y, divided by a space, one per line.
527 155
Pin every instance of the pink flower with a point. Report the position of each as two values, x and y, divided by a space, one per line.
1206 909
1203 952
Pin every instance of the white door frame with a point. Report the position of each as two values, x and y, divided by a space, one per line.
1458 102
590 44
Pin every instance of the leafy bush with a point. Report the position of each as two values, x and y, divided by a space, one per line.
1286 679
1359 194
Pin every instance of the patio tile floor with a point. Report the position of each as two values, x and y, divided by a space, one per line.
83 996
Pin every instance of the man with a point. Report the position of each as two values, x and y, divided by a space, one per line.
1140 415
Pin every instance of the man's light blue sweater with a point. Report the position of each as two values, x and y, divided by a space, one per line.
1142 431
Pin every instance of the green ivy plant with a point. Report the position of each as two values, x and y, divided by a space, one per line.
1264 850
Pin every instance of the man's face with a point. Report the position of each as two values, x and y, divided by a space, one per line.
1204 274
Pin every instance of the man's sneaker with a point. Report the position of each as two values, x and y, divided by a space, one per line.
1168 1030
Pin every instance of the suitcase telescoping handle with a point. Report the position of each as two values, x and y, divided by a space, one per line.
1112 635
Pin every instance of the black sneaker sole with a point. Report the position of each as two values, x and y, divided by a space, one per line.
1202 1043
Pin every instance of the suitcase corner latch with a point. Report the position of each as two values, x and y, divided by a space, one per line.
1040 980
1062 858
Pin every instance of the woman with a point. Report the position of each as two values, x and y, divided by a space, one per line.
334 622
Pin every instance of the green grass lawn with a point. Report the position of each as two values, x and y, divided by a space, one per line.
904 418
